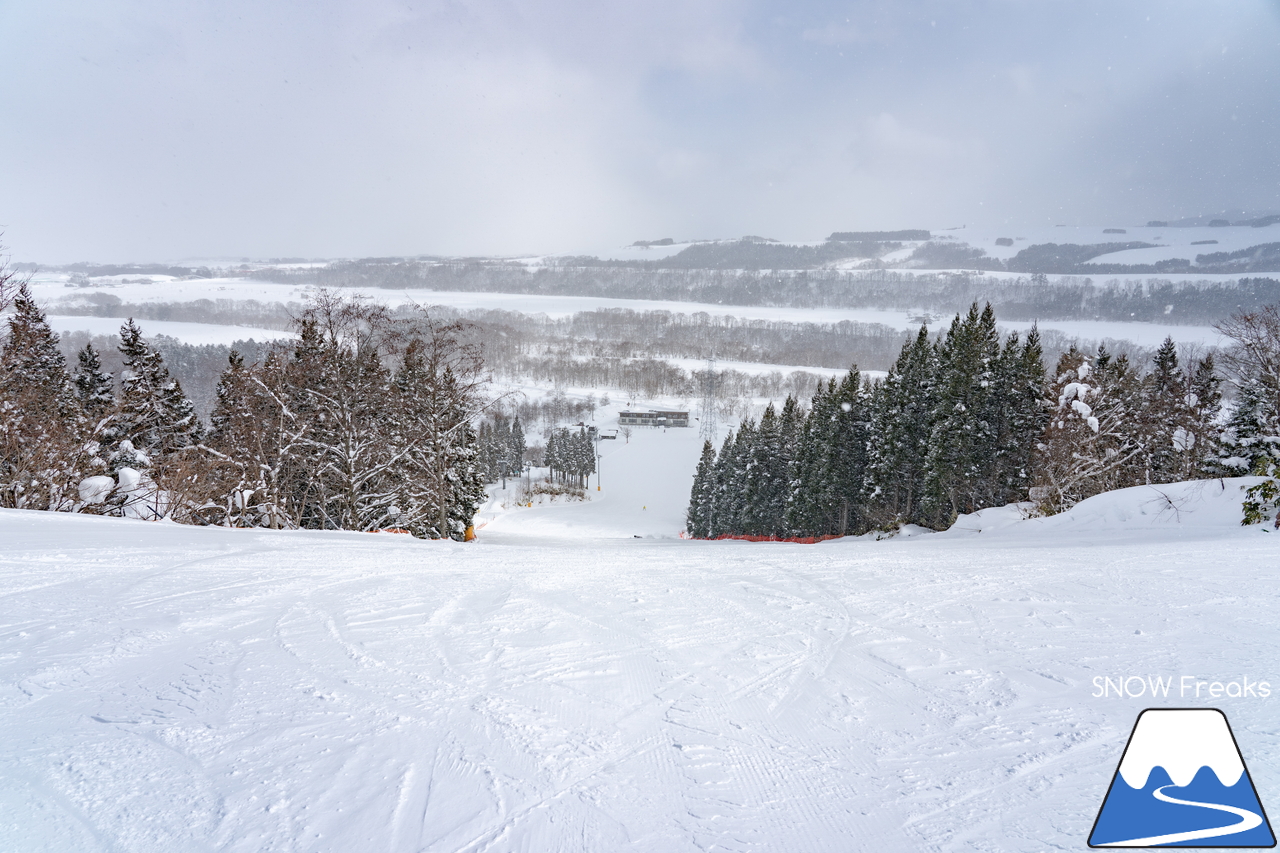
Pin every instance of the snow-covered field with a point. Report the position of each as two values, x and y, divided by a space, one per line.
51 288
560 684
191 333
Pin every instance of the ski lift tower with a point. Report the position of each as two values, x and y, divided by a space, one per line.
707 427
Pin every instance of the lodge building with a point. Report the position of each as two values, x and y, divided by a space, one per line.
654 419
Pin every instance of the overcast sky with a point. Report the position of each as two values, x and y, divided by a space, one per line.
151 130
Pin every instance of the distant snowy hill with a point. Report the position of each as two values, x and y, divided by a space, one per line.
1195 247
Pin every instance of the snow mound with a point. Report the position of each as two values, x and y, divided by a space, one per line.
992 518
1196 506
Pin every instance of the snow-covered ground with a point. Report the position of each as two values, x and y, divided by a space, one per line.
560 684
191 333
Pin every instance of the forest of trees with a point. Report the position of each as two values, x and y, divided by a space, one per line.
364 422
616 348
571 456
966 422
368 419
502 448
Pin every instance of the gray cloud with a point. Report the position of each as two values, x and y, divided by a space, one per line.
151 130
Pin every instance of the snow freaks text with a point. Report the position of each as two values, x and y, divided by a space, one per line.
1184 687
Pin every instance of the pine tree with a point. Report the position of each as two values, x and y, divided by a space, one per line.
42 443
698 516
587 455
723 506
153 412
731 513
806 504
1250 431
847 466
502 446
901 422
486 454
434 463
765 479
1251 441
552 454
516 447
93 386
792 427
1021 416
1163 413
1203 444
964 439
251 437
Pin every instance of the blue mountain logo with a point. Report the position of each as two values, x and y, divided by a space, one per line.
1182 783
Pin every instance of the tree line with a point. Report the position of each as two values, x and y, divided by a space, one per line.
571 456
1078 295
502 447
967 421
364 422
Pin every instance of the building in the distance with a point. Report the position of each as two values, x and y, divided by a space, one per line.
654 419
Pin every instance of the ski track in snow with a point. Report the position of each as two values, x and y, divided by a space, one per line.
171 688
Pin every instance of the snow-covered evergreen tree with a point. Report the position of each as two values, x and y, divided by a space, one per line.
730 516
153 413
1251 442
765 479
43 455
847 469
1021 415
723 506
964 440
516 448
901 422
1092 443
807 500
1164 419
698 517
434 458
1203 444
93 386
1252 427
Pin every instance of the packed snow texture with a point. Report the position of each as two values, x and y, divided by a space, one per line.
560 684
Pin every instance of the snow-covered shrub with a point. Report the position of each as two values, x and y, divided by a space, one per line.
95 490
1262 503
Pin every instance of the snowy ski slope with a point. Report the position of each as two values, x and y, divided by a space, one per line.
562 685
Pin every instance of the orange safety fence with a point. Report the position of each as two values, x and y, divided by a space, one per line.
746 537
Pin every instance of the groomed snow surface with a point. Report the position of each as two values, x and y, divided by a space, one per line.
561 685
